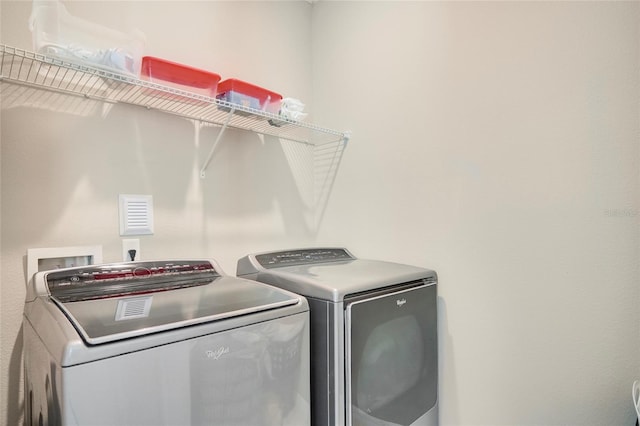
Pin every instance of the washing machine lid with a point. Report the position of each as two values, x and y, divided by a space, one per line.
328 273
106 303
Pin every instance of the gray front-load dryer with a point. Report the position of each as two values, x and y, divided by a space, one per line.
163 343
374 355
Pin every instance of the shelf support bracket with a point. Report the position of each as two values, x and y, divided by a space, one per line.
215 143
345 137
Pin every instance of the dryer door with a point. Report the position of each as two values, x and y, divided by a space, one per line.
392 356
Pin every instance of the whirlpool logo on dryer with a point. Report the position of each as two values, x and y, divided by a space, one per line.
217 353
400 302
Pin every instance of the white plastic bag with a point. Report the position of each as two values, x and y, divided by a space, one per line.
292 109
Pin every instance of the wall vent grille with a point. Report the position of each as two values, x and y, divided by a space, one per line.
136 214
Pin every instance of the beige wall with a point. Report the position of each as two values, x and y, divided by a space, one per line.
497 143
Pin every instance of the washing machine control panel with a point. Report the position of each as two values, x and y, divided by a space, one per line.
302 257
117 279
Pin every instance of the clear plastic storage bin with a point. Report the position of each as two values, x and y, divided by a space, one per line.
249 95
59 34
179 76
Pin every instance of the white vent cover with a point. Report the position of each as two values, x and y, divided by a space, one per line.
133 308
136 214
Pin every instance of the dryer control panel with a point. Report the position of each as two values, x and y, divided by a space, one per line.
302 257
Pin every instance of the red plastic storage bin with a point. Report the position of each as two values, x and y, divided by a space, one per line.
180 76
248 95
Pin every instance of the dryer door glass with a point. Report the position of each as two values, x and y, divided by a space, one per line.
391 350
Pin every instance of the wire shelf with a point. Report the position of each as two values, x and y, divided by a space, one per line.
36 70
315 153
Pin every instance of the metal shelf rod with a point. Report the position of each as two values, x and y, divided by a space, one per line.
215 143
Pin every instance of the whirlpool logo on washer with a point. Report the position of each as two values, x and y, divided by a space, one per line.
400 302
215 354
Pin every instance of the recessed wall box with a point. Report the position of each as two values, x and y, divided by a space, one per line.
45 259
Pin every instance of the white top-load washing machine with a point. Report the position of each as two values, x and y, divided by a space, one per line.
374 355
163 343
